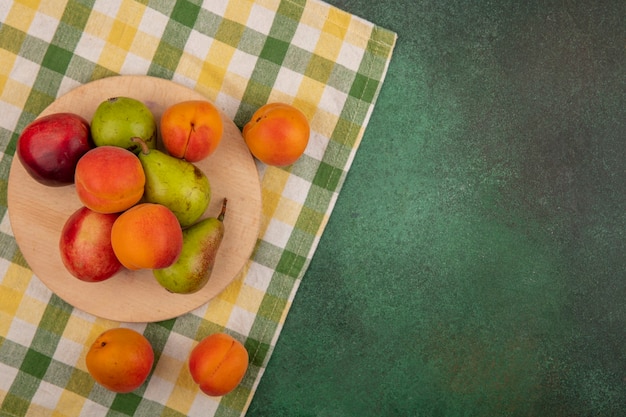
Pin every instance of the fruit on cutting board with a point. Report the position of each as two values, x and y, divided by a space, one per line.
191 129
109 179
147 236
277 134
49 148
175 183
218 363
85 245
120 359
136 199
119 119
201 242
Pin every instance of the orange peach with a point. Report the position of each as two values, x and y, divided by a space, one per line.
120 359
147 236
277 134
109 179
191 129
85 245
218 364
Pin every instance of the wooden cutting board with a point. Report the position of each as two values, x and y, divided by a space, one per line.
38 213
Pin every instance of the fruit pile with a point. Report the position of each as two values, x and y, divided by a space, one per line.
142 208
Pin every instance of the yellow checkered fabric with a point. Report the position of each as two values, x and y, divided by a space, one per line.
239 54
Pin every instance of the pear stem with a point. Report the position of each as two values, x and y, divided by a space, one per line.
144 147
220 217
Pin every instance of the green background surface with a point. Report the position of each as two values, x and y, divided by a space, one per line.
475 263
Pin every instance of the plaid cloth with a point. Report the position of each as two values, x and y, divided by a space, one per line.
240 54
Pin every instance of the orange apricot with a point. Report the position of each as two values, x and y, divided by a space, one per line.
109 179
120 359
191 129
218 364
147 236
277 134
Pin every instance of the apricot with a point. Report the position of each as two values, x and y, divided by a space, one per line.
109 179
120 359
277 134
147 236
218 364
191 130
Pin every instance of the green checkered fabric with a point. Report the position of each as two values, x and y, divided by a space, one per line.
239 54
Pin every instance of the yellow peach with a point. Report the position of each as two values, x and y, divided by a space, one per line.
147 236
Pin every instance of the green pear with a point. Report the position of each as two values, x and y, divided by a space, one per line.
175 183
119 119
192 270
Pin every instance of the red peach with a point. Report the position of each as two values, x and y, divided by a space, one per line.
49 148
85 245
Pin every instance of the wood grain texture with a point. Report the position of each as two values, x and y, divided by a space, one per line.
38 213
